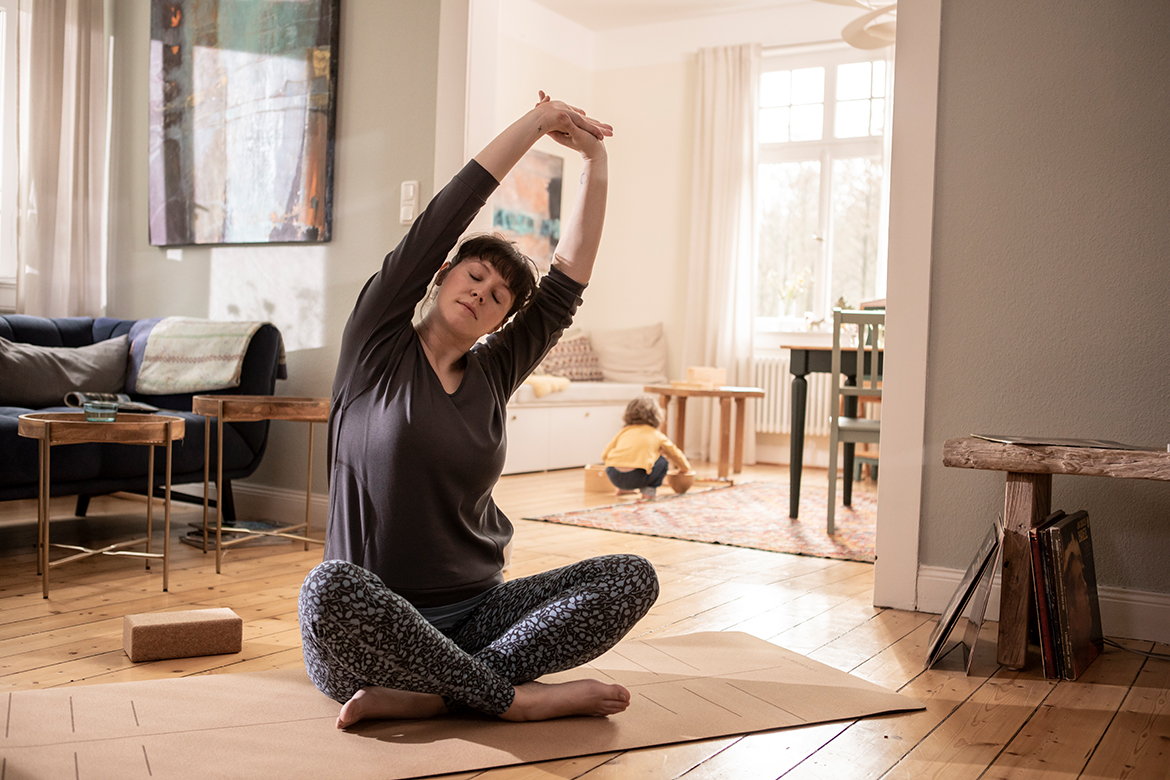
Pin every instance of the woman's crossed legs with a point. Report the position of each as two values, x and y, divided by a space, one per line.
367 647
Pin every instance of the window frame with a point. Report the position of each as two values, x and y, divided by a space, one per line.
825 151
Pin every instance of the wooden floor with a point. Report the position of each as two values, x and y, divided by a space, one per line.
1113 722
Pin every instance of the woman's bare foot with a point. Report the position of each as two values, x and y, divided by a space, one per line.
620 492
376 703
541 701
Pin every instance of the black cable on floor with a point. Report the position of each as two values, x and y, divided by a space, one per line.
1159 656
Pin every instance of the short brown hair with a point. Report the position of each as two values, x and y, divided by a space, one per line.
643 410
518 271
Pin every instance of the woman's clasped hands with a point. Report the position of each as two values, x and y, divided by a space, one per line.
572 127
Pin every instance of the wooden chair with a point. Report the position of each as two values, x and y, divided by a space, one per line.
846 427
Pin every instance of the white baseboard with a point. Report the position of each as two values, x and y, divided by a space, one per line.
1127 614
775 448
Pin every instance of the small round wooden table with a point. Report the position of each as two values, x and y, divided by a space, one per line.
252 408
53 428
726 395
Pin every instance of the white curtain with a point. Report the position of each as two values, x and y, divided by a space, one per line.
62 158
720 299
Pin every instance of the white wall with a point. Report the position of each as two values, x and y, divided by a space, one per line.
640 80
385 134
1049 280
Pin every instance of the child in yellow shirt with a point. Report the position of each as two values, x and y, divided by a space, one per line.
636 459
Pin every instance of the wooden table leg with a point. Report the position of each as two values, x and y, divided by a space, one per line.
680 422
724 437
1027 501
43 511
664 402
166 512
849 404
206 474
219 490
40 496
149 501
796 457
309 490
740 415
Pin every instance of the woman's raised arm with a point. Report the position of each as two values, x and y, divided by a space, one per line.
581 234
548 117
570 127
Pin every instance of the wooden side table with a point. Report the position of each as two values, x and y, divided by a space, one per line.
252 408
725 395
55 428
1027 501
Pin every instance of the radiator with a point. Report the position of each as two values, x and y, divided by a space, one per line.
774 412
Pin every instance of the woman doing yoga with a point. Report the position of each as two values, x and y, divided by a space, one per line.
409 615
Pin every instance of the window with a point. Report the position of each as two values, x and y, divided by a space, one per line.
8 148
822 119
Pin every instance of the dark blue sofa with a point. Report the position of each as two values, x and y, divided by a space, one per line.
85 470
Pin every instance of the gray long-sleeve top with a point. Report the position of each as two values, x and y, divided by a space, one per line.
412 467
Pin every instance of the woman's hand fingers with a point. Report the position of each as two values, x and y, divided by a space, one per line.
579 139
567 115
591 126
568 118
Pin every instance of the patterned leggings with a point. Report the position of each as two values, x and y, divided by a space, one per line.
357 632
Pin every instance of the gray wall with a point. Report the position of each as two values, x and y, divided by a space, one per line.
385 134
1051 263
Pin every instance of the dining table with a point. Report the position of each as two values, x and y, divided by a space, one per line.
803 361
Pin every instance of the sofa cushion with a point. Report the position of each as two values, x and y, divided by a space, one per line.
580 394
20 458
636 355
573 358
35 376
50 332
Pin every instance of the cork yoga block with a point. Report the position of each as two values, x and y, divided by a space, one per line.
153 636
596 481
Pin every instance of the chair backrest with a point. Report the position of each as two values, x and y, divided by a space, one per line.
871 326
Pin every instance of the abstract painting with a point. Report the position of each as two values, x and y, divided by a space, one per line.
242 116
527 206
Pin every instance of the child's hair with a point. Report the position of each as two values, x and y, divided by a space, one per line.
643 410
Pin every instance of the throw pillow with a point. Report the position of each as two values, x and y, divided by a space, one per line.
572 358
34 377
632 355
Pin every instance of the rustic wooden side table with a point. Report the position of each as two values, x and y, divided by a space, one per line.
252 408
725 395
56 428
1028 500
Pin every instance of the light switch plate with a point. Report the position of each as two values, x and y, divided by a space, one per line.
408 202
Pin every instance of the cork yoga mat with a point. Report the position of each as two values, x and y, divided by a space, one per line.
276 724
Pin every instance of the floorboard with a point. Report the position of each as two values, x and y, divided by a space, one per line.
993 723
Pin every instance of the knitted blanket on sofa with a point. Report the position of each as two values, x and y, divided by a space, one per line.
172 355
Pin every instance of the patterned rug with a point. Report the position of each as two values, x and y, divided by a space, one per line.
754 514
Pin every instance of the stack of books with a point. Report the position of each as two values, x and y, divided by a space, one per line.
1065 581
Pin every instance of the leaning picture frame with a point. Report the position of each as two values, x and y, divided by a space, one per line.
962 595
980 597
